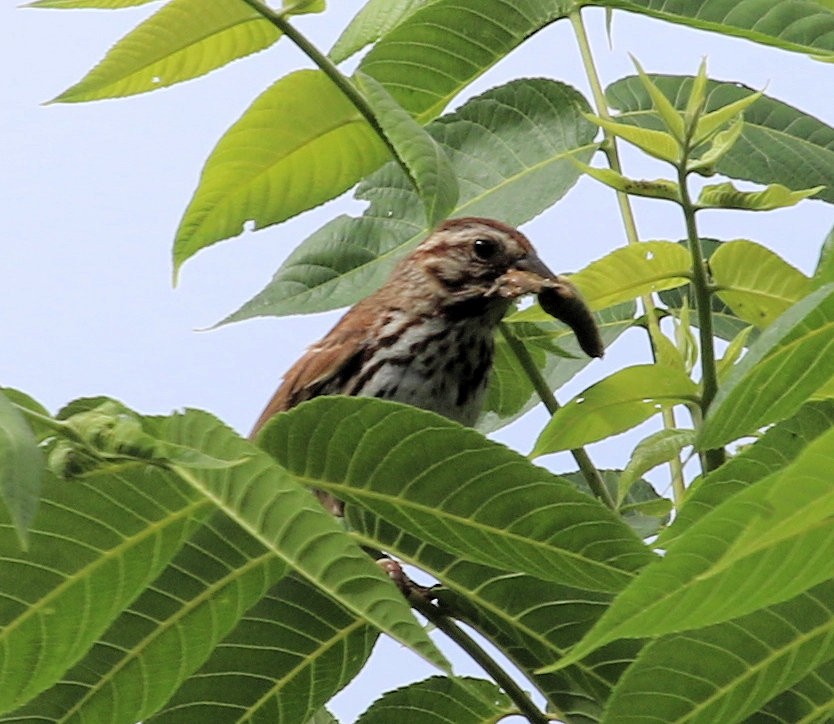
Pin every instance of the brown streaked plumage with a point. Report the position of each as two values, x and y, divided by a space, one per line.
426 337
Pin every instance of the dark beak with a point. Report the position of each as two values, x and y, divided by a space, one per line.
562 300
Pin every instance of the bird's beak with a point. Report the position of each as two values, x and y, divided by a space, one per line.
560 298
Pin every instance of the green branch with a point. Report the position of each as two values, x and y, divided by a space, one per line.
280 21
583 460
609 147
711 459
443 623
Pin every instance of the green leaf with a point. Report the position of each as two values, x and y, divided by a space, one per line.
21 468
783 367
110 532
732 353
40 428
441 700
824 273
726 672
183 39
778 143
656 449
756 283
168 632
775 449
428 165
348 258
299 144
613 405
667 112
679 301
533 621
642 508
657 144
766 544
271 504
809 700
286 658
555 351
710 123
775 196
796 25
443 46
454 489
373 21
627 273
657 189
719 146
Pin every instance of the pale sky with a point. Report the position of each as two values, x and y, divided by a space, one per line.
92 195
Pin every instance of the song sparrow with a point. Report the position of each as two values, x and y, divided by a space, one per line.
427 336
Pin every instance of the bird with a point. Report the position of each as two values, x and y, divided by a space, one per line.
427 336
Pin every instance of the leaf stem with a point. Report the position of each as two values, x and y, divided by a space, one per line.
279 20
611 152
519 697
711 459
583 460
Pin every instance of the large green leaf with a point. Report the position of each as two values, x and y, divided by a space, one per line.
531 620
756 283
441 700
375 19
21 468
627 273
444 45
183 39
766 544
427 164
778 143
797 25
775 449
783 367
95 545
455 489
288 656
725 672
510 149
809 701
615 404
554 349
299 144
270 503
167 633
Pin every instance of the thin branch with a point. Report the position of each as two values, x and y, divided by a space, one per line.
442 622
711 459
583 460
609 147
280 21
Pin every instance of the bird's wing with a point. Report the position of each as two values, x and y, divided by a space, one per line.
335 356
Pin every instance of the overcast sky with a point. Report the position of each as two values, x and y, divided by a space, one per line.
92 195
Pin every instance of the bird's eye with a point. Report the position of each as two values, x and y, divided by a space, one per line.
486 248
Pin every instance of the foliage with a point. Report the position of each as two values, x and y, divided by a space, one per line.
164 569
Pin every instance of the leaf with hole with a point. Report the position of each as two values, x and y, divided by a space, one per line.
613 405
510 149
299 144
427 164
183 39
756 283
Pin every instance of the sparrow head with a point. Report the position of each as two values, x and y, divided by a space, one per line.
479 265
